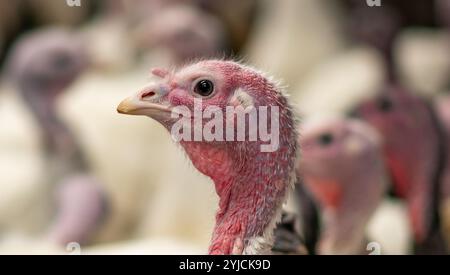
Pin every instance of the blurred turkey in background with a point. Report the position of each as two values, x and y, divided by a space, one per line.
73 170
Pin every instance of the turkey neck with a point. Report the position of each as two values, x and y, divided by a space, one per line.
61 146
251 186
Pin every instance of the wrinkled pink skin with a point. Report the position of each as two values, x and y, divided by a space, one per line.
347 178
251 185
81 208
411 150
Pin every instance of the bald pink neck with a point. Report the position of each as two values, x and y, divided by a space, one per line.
251 187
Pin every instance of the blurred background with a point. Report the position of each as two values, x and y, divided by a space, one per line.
66 153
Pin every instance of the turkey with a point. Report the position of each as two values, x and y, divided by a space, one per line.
343 167
41 65
412 148
251 178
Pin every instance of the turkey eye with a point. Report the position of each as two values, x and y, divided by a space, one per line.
38 81
384 104
204 88
61 61
325 139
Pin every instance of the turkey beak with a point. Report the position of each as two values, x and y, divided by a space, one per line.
144 103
